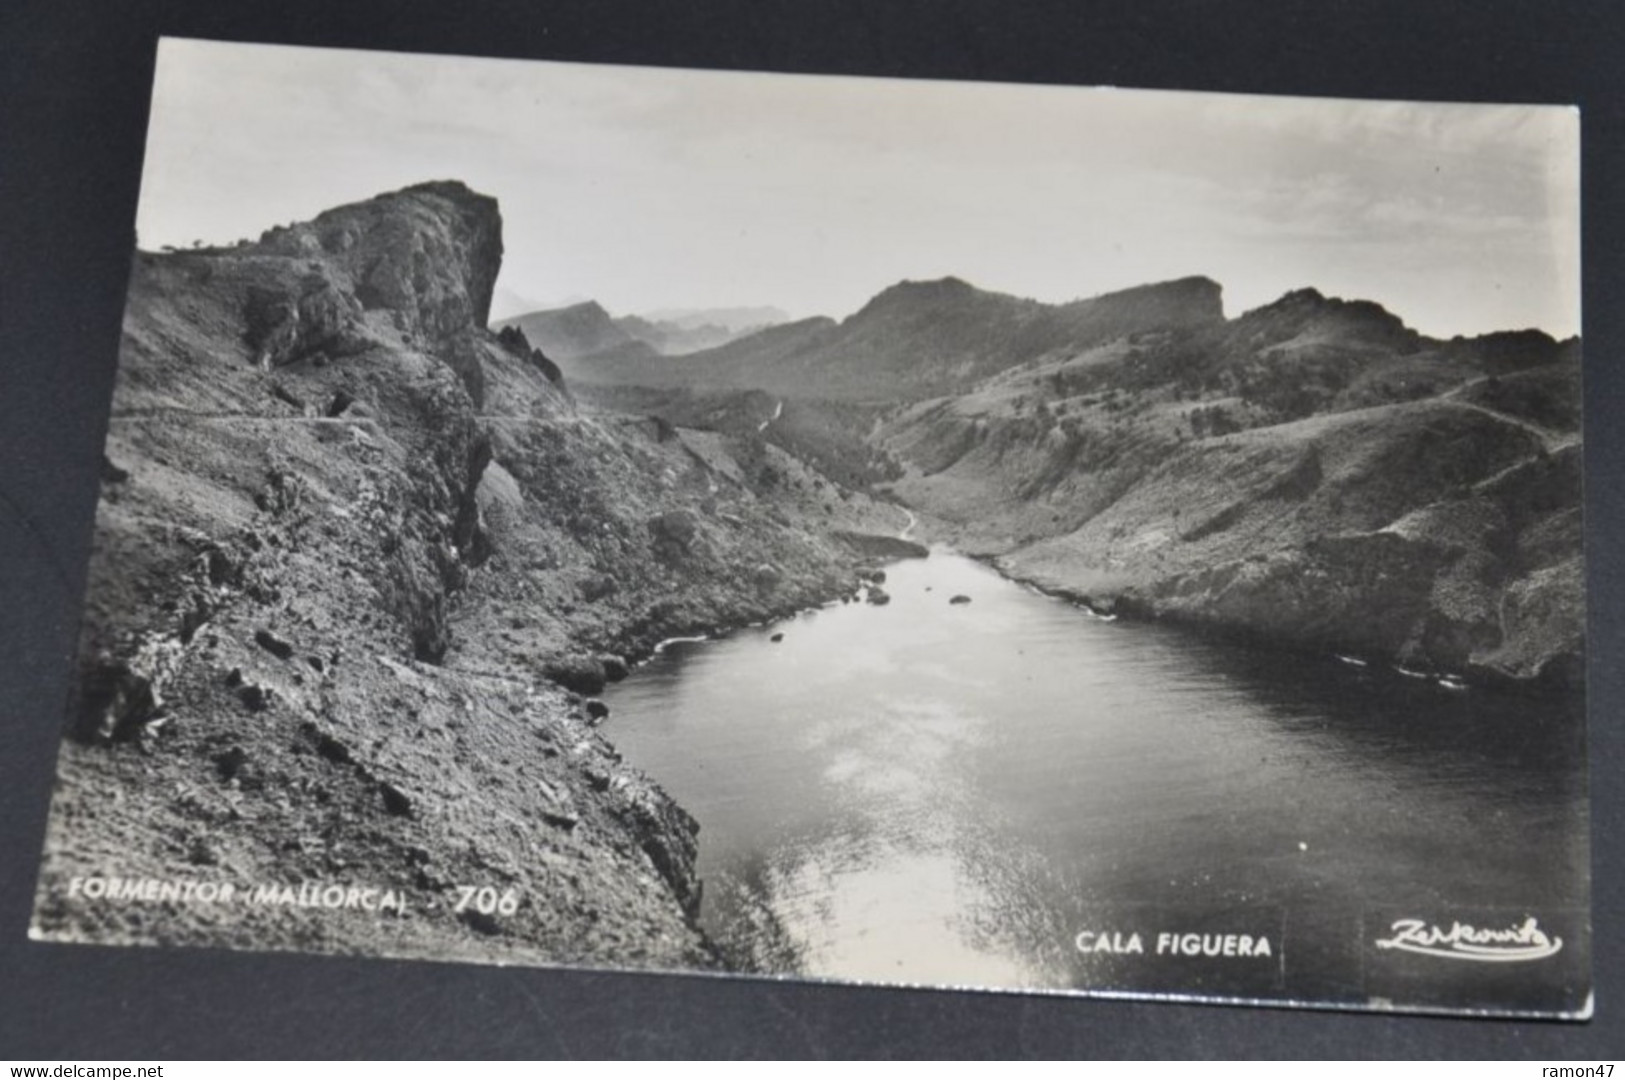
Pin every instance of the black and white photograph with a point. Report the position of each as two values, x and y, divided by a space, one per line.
920 533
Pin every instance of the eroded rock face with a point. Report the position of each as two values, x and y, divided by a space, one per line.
428 254
314 319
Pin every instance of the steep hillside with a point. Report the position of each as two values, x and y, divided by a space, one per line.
1312 472
830 436
359 567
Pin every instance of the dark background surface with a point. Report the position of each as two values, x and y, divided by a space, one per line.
74 86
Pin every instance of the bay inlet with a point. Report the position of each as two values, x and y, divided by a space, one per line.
954 793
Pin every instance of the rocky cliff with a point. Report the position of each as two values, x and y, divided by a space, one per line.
360 568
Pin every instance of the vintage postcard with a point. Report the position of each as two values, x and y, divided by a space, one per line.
1028 538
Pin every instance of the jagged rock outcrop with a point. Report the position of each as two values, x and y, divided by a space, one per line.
428 254
513 339
357 566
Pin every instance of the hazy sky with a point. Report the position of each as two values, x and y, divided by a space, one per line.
652 188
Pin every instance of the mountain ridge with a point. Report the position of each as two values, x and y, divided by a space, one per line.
920 338
582 329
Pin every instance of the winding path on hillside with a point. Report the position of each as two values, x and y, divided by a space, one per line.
1553 440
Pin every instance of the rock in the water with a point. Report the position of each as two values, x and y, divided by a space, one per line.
960 599
582 674
776 638
870 546
615 667
878 596
597 711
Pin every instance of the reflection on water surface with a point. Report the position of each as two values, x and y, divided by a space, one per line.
927 792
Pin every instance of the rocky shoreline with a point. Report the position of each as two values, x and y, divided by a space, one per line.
1434 534
1114 607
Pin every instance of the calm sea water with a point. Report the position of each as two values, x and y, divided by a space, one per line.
935 793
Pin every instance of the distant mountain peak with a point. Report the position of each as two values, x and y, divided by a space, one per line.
1307 296
446 189
1186 301
1513 349
1310 312
1191 285
909 295
1313 300
586 307
944 286
1526 338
